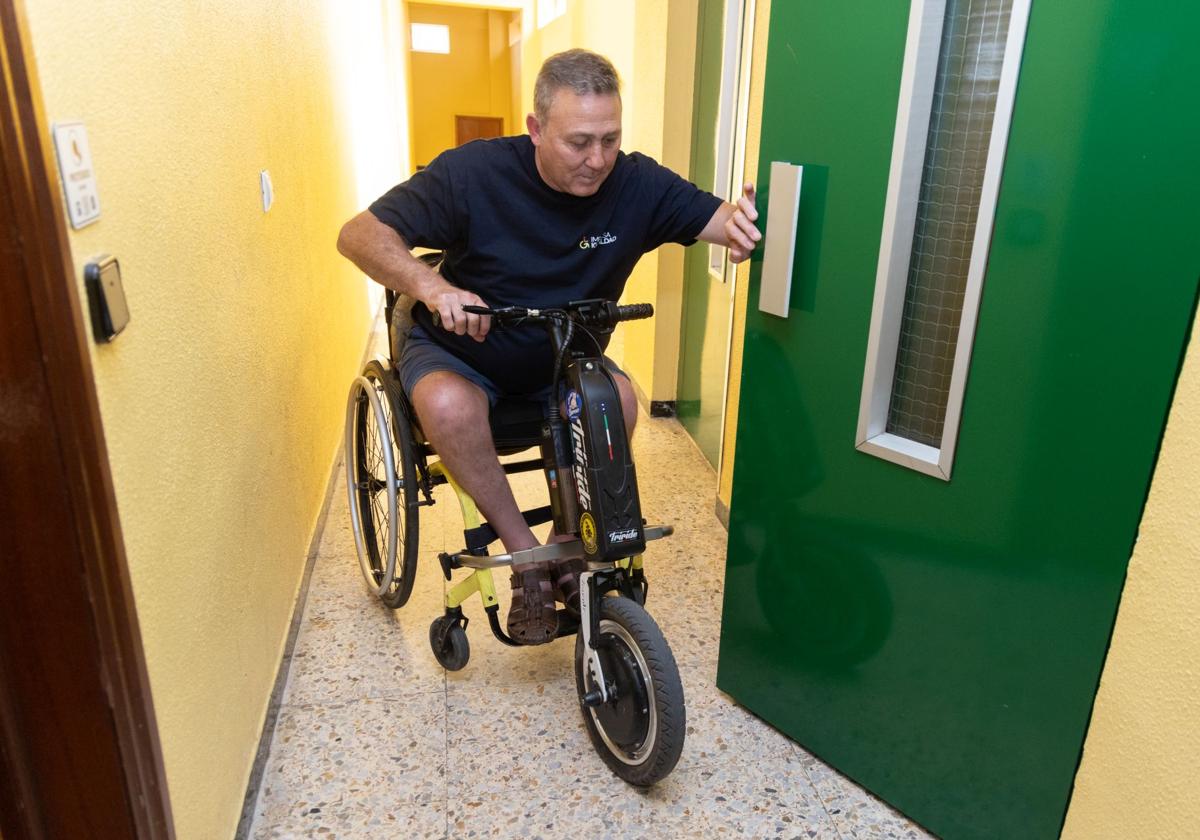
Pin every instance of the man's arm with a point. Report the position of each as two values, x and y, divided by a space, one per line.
384 256
733 226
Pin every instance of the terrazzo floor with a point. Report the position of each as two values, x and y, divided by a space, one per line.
375 740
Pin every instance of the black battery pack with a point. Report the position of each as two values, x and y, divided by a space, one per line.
610 513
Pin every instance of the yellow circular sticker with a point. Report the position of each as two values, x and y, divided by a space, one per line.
587 532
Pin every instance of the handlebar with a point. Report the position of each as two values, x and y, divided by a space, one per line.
634 311
591 316
596 313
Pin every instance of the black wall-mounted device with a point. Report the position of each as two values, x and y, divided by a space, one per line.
106 297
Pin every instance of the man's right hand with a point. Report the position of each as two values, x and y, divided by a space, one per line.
446 307
383 255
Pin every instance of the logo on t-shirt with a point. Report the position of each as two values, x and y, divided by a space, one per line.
605 238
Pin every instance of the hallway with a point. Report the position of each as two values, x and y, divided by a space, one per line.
374 739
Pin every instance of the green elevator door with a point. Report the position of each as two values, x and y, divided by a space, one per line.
940 640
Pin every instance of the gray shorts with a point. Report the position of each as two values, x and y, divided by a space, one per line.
422 355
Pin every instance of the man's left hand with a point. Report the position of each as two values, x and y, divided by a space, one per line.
740 231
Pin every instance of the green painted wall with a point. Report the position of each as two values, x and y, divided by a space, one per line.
706 303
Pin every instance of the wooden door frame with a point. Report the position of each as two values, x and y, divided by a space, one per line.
79 749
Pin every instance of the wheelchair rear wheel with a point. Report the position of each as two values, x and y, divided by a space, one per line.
639 731
381 482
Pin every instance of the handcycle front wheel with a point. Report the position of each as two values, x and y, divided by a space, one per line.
381 485
639 731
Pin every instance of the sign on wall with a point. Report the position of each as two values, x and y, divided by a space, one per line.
78 177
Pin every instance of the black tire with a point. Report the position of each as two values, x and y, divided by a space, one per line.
639 733
407 494
377 517
450 646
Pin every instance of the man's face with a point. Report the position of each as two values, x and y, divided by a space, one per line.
577 143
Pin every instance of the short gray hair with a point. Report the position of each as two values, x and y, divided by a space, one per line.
582 71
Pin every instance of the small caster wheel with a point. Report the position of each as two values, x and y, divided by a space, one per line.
449 643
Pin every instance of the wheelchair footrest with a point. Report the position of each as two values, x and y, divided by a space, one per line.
543 553
493 614
537 554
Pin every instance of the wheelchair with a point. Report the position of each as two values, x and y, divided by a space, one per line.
626 677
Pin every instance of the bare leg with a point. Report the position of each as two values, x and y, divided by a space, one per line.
454 415
629 403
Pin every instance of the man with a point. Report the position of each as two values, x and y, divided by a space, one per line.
561 214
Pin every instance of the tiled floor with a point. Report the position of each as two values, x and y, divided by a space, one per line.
375 740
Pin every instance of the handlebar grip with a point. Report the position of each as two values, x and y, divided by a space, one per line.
467 307
634 311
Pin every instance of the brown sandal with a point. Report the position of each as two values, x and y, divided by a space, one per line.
566 582
532 619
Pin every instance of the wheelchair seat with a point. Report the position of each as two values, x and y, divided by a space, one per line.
517 424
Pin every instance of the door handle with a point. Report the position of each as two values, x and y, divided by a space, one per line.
779 251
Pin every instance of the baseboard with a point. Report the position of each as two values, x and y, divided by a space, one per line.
722 510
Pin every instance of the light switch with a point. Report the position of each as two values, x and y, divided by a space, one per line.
268 191
106 297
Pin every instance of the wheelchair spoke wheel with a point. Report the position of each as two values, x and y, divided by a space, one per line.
396 581
381 483
639 731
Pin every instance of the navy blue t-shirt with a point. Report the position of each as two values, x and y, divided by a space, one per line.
515 241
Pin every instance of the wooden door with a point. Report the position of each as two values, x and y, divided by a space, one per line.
467 129
79 749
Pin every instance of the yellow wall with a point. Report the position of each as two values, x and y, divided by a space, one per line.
677 101
222 402
1138 778
643 39
475 79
